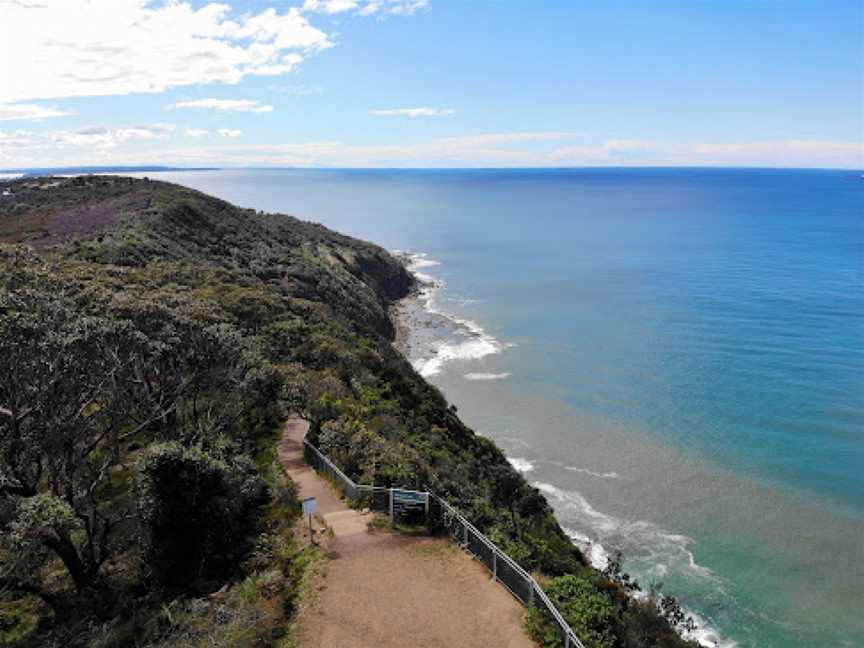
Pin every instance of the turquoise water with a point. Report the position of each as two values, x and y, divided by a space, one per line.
673 356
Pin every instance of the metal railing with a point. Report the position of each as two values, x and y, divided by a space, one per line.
503 568
375 498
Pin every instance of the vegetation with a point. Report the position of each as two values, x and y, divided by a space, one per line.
589 613
152 340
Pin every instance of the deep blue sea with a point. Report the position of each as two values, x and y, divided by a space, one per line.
675 357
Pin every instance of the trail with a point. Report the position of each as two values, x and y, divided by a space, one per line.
384 590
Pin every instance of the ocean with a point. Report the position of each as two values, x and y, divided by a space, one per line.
675 357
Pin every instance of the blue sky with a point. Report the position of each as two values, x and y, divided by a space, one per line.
422 83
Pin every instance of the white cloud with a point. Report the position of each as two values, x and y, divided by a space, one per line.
197 132
296 90
779 148
487 139
765 153
72 48
414 112
330 6
147 131
398 7
537 149
63 145
366 7
99 145
238 105
28 112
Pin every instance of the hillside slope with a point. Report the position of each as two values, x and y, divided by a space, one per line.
154 339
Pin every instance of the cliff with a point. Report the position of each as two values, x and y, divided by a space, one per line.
154 339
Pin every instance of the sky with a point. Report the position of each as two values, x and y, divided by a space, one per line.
432 83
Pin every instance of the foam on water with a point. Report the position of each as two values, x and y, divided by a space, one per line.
656 550
487 376
469 341
602 475
522 465
705 635
594 551
598 556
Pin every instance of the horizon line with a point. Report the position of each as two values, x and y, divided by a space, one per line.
166 167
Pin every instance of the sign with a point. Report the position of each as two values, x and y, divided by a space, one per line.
409 499
408 504
309 506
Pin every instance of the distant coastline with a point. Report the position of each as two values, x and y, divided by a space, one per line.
41 171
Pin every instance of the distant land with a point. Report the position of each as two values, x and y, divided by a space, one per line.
98 169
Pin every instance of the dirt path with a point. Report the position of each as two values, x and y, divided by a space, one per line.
383 590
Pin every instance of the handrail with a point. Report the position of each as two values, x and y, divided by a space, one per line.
570 638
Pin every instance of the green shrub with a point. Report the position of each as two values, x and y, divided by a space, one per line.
589 613
196 512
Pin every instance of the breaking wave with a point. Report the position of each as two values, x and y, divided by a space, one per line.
602 475
522 465
655 550
467 339
487 376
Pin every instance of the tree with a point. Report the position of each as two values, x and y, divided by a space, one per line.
196 511
507 490
78 387
62 423
614 572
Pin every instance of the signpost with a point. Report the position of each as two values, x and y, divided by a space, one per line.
309 507
408 503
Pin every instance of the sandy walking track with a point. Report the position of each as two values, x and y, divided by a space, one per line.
383 590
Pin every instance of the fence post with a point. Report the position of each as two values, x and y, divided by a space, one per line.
495 565
465 534
391 507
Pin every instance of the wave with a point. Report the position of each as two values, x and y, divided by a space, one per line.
641 540
415 260
594 551
487 376
655 550
705 635
468 340
471 349
522 465
602 475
